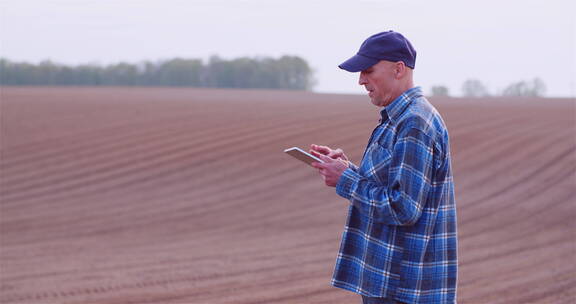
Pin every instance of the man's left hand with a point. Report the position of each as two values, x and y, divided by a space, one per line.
331 169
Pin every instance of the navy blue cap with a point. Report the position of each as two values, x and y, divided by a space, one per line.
389 46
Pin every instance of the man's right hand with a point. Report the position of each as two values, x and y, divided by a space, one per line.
317 150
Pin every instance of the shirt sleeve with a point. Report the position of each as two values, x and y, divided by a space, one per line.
352 166
402 200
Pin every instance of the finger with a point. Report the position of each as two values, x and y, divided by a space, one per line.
338 153
325 149
345 162
325 158
322 149
318 165
314 153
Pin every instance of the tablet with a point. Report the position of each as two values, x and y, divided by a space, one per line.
302 155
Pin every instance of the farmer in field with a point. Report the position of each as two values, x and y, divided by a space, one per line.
399 244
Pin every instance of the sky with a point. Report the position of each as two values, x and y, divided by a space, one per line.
496 42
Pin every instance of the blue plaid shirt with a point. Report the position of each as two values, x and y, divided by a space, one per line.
400 239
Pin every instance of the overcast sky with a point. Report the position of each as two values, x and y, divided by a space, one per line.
497 42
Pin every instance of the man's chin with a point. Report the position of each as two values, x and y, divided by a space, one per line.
375 102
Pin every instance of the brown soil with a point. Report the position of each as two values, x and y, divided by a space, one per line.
153 195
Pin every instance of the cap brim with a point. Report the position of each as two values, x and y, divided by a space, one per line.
358 63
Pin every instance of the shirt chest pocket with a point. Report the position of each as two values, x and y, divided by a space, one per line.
376 163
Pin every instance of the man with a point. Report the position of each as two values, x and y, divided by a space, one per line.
399 244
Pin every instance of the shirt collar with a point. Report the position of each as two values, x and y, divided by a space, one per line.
398 105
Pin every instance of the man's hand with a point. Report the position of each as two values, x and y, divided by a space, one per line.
316 150
331 169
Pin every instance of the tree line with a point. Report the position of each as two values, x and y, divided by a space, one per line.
475 88
286 72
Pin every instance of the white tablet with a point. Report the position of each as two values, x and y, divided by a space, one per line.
303 155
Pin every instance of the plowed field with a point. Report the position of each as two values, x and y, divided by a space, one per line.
150 195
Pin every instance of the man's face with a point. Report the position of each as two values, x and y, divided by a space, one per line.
380 81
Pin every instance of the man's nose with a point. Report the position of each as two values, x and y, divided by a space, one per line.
362 79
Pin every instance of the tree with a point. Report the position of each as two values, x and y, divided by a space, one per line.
533 88
178 72
474 88
287 72
439 91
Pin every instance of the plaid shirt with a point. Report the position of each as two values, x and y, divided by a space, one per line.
400 238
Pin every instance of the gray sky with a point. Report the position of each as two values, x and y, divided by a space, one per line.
498 42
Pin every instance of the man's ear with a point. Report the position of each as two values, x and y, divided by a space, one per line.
399 69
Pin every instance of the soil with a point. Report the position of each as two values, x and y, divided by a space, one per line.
177 195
